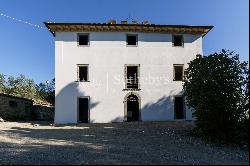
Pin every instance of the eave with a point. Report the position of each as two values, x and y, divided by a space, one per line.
150 28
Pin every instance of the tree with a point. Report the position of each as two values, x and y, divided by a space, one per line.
46 91
2 83
51 92
41 91
24 87
21 86
216 87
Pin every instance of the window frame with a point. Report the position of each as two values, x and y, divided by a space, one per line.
13 103
182 40
88 97
176 65
82 65
184 107
138 76
83 34
130 34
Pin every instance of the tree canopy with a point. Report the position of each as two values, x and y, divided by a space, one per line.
216 88
24 87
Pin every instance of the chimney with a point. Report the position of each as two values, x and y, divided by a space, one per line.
124 22
134 22
112 22
145 22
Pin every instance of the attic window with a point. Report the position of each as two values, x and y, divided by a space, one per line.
82 73
83 39
178 41
131 40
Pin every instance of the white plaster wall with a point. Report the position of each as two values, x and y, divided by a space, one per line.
106 56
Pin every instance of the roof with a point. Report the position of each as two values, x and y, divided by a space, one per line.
107 27
35 102
15 97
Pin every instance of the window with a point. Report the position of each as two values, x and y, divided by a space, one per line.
178 41
27 108
82 73
12 104
131 40
179 107
83 39
83 109
132 76
178 72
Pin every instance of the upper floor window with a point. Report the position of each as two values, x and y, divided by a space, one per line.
178 41
132 76
83 39
178 72
82 73
132 40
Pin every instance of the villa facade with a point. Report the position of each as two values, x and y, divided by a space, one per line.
122 72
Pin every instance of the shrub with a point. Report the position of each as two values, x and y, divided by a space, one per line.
216 88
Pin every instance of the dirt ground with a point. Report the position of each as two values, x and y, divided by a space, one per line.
118 143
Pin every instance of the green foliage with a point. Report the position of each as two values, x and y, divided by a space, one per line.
25 87
2 83
216 87
51 92
21 86
46 91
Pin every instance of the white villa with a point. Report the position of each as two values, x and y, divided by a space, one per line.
118 72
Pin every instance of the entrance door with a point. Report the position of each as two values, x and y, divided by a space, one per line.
133 113
83 110
178 105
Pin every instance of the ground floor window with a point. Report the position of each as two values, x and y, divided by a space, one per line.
179 107
83 109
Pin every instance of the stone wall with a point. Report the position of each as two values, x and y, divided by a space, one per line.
15 108
43 113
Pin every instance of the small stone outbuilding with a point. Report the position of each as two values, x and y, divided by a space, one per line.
13 108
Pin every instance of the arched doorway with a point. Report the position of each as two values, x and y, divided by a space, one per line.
132 108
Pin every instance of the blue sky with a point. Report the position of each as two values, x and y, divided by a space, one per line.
28 50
